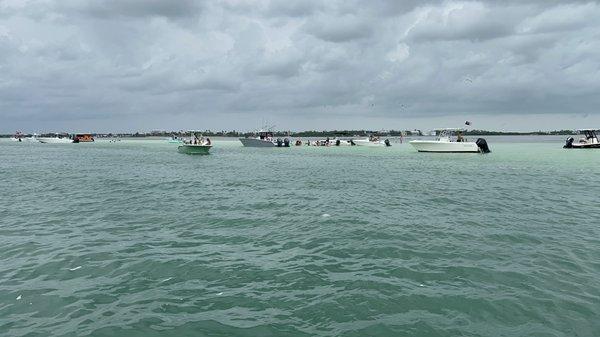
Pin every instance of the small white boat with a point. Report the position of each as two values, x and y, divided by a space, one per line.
446 142
372 142
56 139
175 140
32 139
589 141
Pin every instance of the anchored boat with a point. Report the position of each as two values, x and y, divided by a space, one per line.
57 138
174 140
33 138
83 138
372 141
450 140
589 141
195 145
265 139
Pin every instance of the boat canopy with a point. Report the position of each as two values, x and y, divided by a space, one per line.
589 133
584 130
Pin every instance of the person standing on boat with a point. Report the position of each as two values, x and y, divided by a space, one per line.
459 137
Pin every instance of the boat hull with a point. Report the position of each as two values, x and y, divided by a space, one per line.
255 142
585 146
193 149
51 140
444 147
366 142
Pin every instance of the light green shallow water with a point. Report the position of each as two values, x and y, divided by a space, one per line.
135 239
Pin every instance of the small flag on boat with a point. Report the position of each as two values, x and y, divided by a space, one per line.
467 123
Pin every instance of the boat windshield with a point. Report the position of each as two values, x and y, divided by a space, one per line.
445 134
450 134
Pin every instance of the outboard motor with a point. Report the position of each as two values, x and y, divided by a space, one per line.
337 142
482 145
387 142
352 143
569 143
279 142
286 142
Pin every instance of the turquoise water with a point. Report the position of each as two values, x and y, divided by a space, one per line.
134 239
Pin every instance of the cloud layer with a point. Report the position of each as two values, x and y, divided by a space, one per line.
133 64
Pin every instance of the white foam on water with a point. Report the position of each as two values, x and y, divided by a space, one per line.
326 215
73 269
18 297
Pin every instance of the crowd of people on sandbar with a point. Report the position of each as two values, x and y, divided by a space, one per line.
326 142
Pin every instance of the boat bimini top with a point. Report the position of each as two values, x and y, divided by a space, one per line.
590 134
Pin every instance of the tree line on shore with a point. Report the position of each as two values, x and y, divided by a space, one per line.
324 133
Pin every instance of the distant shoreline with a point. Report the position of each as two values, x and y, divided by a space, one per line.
329 133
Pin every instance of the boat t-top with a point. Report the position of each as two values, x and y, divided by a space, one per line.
265 139
450 140
196 144
589 141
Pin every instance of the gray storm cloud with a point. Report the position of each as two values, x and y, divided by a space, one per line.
133 64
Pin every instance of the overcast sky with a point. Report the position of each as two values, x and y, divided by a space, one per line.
127 65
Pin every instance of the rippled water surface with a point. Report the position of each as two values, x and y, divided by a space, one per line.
134 239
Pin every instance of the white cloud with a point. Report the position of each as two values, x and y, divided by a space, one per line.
399 54
559 18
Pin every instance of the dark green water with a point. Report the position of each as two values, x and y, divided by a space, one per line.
134 239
